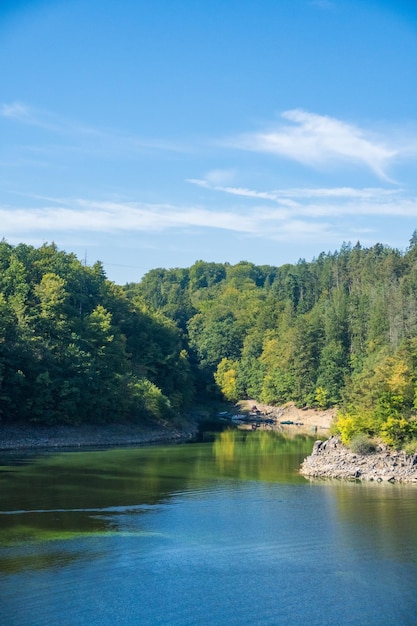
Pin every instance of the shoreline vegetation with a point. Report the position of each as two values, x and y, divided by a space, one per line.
86 362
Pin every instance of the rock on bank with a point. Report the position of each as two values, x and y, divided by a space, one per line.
331 459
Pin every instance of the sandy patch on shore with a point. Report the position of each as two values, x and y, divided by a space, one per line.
306 421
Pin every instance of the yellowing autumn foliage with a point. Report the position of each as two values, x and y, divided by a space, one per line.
225 377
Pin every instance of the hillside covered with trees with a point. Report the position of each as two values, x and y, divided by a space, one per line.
338 331
74 348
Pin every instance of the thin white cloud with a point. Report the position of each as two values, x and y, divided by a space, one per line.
319 202
15 110
390 208
220 176
99 138
312 211
291 196
369 193
319 140
236 191
309 217
110 217
35 117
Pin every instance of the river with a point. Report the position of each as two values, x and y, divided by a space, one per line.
192 534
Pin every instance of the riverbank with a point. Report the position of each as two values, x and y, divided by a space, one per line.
25 437
331 459
290 419
287 419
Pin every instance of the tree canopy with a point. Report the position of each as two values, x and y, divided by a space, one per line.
74 348
340 331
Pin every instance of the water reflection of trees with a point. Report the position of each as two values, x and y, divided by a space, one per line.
63 498
260 455
50 503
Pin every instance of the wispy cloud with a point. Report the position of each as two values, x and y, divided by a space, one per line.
292 196
109 217
238 191
25 114
318 203
319 140
304 219
220 176
83 133
15 110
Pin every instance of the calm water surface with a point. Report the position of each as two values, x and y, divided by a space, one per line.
223 533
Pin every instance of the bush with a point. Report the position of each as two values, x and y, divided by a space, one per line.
349 425
362 444
149 402
398 431
411 447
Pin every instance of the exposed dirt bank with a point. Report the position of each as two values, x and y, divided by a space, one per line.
304 421
22 437
331 459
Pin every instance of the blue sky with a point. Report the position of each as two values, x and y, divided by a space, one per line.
156 133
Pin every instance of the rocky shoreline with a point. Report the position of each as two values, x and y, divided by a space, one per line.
331 459
24 437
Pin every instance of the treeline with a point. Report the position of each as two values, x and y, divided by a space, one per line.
74 348
338 331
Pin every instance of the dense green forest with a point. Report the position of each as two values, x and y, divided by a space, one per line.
340 330
74 348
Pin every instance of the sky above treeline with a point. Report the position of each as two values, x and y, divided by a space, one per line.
151 134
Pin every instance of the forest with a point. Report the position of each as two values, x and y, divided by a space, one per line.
339 331
74 348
